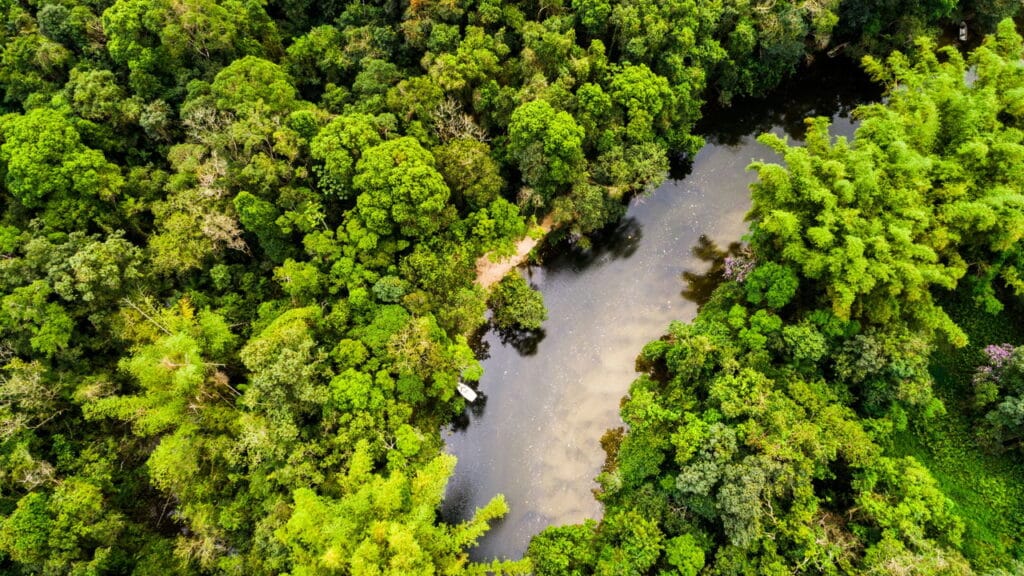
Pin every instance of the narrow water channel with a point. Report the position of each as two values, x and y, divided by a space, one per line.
548 398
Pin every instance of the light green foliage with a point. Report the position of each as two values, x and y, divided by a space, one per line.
973 467
174 382
237 276
382 525
904 500
912 200
387 321
46 161
563 550
684 553
249 84
647 100
301 280
759 436
827 217
131 43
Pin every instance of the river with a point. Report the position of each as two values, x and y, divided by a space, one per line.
548 397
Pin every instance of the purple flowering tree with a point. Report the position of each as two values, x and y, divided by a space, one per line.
738 267
999 354
999 390
988 376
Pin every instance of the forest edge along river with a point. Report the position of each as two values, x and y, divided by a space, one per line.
547 397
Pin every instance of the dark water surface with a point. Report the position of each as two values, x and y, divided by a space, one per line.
548 397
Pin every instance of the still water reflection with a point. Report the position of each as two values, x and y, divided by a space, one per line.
549 396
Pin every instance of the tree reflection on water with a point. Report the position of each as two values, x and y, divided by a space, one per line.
525 342
699 286
618 241
474 410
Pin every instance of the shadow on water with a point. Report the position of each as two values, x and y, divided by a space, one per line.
679 166
459 497
525 342
828 87
474 410
479 344
699 286
617 241
553 394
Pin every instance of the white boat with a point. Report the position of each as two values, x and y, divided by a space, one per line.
468 393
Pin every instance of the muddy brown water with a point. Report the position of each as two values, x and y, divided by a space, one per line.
547 397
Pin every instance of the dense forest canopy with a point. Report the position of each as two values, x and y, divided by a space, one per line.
238 243
776 433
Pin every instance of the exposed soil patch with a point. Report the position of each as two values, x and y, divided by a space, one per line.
490 272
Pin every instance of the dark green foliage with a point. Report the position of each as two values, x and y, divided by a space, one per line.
984 480
517 305
999 390
548 146
237 261
564 550
770 435
470 172
399 189
771 284
260 217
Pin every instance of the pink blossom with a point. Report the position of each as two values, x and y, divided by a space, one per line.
999 354
737 267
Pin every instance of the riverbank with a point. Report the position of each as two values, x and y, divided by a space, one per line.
490 272
547 397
